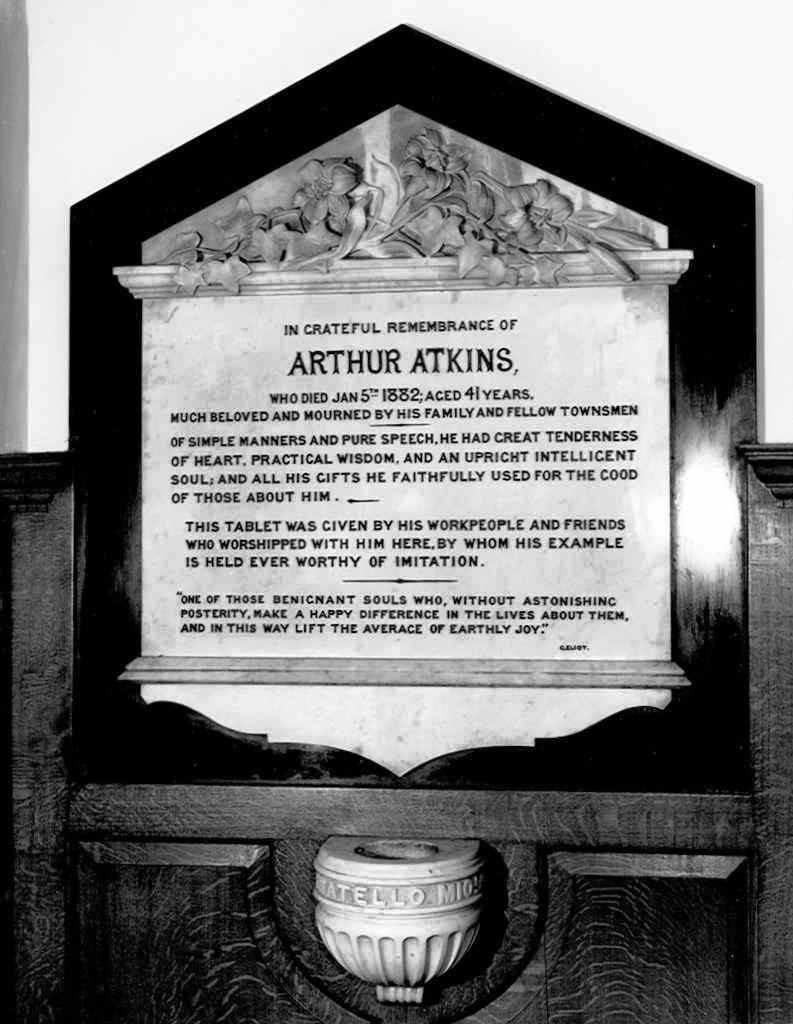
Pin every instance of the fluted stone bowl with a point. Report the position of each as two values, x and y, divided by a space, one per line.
398 912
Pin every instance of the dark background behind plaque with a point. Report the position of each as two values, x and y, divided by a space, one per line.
712 325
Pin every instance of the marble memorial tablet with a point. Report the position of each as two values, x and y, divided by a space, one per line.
435 473
406 432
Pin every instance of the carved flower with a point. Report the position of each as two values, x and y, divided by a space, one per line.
432 164
538 213
324 191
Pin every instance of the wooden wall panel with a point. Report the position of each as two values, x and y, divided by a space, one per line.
169 934
35 595
771 697
183 933
684 821
648 939
165 871
164 942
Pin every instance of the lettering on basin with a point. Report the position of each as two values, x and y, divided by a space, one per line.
401 897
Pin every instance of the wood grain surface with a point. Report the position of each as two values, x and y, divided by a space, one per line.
772 464
179 938
35 533
771 697
197 854
253 812
644 950
170 945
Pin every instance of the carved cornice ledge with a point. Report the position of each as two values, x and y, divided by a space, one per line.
773 465
572 270
29 481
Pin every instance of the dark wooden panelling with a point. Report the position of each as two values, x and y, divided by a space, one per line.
177 937
773 465
640 820
771 696
648 865
36 534
170 945
29 482
197 854
655 947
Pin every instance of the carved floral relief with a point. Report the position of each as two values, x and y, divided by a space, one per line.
436 202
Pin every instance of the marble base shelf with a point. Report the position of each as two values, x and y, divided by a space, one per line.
401 714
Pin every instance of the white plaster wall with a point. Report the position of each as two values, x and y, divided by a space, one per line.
115 84
13 226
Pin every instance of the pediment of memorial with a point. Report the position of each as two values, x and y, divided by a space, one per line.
402 201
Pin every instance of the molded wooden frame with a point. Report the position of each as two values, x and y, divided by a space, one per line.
712 350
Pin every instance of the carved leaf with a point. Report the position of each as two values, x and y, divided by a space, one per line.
338 211
591 218
239 224
319 234
482 201
452 232
414 184
496 269
227 273
271 246
186 248
457 202
353 228
448 233
374 203
469 256
583 236
398 246
436 228
497 188
384 176
528 274
306 247
512 277
424 228
609 259
289 217
548 268
554 237
189 278
437 182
